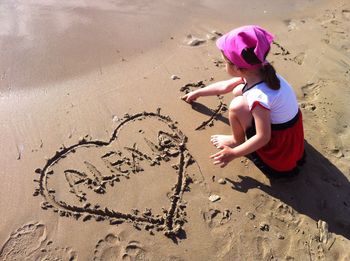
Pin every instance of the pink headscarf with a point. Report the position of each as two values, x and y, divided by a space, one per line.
243 37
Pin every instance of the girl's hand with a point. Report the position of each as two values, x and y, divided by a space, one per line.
190 97
224 156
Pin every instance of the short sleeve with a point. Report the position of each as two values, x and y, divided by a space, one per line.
257 97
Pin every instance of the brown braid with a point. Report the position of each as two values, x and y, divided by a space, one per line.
270 77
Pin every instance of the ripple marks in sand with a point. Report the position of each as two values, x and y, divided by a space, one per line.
90 168
30 243
112 248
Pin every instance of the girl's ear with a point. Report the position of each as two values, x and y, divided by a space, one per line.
238 71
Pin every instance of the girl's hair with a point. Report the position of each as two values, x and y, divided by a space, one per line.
267 70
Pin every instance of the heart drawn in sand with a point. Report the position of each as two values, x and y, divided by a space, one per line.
111 180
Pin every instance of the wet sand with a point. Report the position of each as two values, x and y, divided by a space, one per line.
102 160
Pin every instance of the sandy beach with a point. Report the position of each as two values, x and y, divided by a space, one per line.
100 159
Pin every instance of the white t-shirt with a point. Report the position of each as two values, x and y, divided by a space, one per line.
282 103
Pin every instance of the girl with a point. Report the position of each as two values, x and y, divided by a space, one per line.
264 115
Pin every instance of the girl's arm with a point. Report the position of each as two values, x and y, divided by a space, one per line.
260 139
217 88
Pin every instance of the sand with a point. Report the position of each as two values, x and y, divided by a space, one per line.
102 160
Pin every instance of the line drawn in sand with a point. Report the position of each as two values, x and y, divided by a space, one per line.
282 51
214 114
93 168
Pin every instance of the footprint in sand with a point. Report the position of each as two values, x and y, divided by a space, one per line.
311 91
134 252
294 24
192 40
143 147
30 243
315 98
23 242
299 59
215 217
285 214
335 24
112 248
264 251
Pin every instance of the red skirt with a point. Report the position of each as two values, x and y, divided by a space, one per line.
285 150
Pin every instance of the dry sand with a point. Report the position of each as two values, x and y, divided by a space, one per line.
101 160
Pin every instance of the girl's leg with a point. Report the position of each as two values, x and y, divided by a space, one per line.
240 119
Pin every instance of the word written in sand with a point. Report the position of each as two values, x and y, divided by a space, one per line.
93 168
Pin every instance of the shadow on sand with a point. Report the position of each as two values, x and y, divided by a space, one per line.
201 108
320 191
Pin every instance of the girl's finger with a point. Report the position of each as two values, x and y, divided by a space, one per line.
220 163
214 155
186 98
219 156
223 165
217 162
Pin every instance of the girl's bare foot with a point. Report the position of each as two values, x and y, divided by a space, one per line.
220 140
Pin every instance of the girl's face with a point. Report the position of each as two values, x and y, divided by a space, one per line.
232 70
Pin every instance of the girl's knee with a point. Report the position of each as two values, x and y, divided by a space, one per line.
239 110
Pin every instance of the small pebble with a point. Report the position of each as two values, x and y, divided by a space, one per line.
195 42
174 77
264 227
214 198
280 236
216 32
211 37
250 215
222 181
